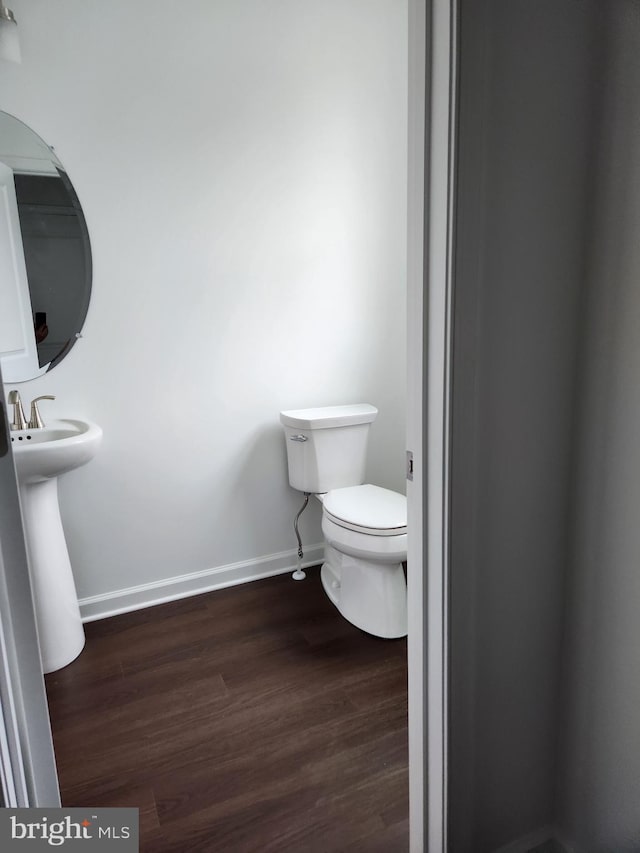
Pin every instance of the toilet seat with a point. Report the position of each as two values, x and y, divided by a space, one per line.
367 509
379 549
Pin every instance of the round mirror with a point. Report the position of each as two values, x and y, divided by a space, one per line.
55 242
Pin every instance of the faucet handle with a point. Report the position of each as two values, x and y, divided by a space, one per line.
19 421
35 421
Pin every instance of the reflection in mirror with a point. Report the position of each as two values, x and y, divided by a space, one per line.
55 241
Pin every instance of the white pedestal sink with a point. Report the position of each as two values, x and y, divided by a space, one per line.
41 456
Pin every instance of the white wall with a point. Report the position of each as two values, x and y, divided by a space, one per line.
242 169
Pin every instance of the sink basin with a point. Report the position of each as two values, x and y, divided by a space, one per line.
61 446
41 456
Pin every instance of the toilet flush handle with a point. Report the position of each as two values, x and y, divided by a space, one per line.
299 437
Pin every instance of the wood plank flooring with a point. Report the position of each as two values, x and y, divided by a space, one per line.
253 718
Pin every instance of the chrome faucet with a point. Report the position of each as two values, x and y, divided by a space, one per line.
35 421
19 421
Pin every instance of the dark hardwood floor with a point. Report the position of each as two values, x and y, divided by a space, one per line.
253 718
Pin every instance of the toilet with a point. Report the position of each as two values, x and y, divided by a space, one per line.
364 526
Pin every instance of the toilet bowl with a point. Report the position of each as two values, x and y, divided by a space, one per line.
364 526
365 546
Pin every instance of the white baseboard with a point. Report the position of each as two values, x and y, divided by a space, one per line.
146 595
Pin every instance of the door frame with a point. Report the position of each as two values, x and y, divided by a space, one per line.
432 104
27 763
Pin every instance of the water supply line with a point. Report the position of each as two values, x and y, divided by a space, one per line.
299 575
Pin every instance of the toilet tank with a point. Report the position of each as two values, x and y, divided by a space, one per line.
327 447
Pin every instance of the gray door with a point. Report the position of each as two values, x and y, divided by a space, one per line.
27 762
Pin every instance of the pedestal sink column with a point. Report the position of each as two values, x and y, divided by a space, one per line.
41 456
60 630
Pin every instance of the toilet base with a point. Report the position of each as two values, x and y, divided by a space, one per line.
372 596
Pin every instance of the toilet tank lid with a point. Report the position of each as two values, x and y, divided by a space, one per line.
324 417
